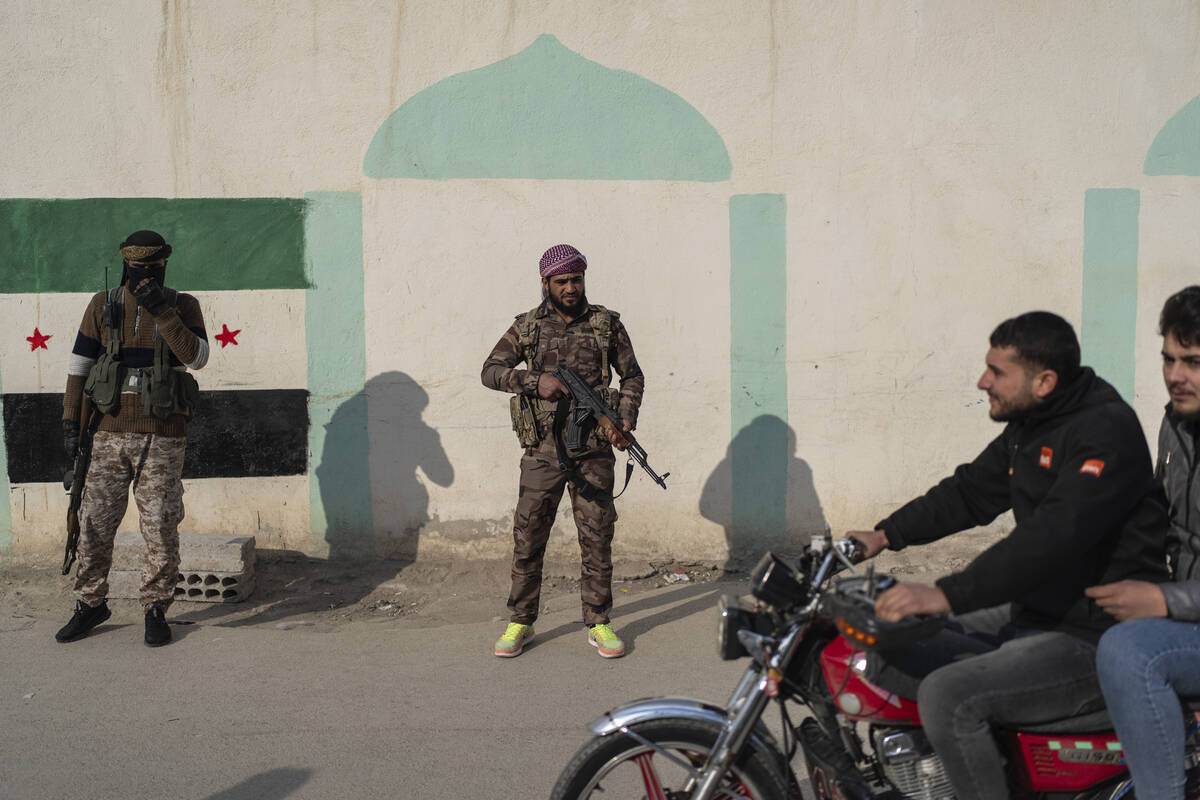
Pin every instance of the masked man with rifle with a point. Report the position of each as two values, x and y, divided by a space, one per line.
565 331
131 356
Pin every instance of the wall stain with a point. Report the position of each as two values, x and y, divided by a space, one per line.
507 39
173 70
773 71
393 83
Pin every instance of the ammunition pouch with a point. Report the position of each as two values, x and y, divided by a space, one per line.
524 420
177 394
104 383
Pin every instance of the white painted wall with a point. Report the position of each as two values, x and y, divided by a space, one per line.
934 156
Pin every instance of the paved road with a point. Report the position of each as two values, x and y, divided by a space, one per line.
364 710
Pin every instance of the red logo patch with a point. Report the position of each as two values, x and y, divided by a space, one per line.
1093 466
1047 456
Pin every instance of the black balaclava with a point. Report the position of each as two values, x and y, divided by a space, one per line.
143 246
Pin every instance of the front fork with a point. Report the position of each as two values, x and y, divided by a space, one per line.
745 708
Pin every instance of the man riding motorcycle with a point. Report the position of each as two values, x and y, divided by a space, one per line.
1073 466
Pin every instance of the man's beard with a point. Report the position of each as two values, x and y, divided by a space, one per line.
569 311
1014 410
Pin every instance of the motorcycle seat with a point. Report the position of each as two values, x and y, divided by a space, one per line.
1095 722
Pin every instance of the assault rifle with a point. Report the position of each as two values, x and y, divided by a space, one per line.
76 476
589 410
73 482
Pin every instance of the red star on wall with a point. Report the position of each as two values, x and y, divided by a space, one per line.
226 336
38 339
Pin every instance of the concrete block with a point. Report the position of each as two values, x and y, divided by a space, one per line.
213 567
215 587
198 552
208 587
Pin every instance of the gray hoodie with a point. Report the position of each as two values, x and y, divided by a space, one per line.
1176 468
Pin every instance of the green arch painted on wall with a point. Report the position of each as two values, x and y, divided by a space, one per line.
547 112
1176 148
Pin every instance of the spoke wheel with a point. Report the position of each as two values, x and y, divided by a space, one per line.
618 766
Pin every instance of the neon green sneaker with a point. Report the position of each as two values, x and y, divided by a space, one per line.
605 641
513 640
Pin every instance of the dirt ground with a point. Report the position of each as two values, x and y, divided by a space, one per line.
294 590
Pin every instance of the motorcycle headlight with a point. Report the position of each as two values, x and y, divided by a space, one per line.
774 582
731 618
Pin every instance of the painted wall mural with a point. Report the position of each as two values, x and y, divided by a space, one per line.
546 113
282 284
253 259
1110 252
549 113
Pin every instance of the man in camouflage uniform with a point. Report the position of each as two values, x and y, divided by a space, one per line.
137 381
564 331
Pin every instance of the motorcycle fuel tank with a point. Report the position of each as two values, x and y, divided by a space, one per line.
859 699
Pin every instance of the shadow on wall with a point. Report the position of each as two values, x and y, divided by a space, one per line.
401 444
374 503
377 441
762 494
274 784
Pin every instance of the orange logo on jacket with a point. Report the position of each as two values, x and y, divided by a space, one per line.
1093 466
1047 457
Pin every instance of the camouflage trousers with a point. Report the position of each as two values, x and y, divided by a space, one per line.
153 464
542 483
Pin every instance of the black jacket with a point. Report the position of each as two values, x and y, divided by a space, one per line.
1076 473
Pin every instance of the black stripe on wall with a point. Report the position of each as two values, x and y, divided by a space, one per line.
233 434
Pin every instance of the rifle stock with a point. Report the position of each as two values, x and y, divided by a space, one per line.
590 402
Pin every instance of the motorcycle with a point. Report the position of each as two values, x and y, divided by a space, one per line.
808 637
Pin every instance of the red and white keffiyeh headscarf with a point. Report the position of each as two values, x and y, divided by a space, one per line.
560 259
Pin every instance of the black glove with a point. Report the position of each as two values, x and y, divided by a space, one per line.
152 297
70 437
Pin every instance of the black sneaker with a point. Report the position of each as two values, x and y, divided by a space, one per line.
158 632
85 618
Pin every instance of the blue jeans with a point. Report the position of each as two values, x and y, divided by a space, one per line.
1144 665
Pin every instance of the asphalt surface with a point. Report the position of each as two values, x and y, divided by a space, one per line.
368 709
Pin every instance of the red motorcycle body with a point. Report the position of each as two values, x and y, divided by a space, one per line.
1044 763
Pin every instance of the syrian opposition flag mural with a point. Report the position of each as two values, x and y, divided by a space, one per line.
251 265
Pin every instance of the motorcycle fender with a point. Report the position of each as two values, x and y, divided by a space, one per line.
679 708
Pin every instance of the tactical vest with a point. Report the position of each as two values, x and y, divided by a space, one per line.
527 412
165 390
529 327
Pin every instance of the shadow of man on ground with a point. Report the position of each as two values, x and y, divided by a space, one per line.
690 599
762 494
274 784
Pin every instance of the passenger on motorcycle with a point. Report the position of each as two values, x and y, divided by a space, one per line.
1073 466
1146 663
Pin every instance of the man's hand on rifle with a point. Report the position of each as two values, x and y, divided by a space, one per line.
551 388
70 429
616 437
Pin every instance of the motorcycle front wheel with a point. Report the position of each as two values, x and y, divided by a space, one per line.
620 766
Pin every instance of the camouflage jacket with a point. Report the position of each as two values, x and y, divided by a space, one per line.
574 345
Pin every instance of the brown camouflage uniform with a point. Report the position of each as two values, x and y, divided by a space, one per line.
154 464
576 346
133 446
